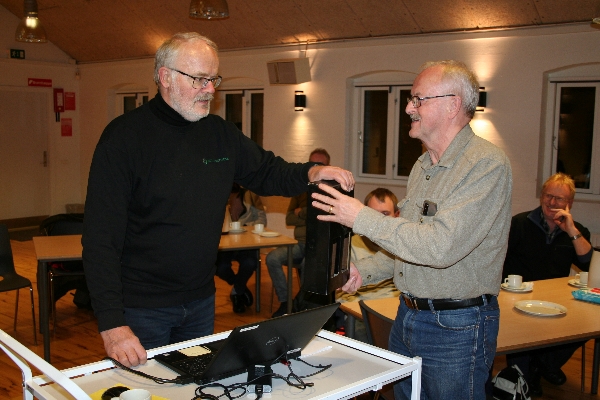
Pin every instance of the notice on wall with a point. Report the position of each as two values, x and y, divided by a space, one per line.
69 101
66 127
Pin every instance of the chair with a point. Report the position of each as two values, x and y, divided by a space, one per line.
378 334
21 355
10 279
62 224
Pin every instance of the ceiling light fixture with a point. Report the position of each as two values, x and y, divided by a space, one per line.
30 29
209 9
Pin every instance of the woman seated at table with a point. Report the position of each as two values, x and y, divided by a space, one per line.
247 208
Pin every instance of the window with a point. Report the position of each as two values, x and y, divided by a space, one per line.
386 150
130 101
244 108
572 129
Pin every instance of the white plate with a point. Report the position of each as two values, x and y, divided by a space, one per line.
270 234
577 284
242 230
523 289
540 308
257 232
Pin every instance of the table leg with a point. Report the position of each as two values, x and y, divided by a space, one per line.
42 281
257 291
350 326
595 365
290 280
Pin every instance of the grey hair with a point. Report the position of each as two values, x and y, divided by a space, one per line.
462 80
169 50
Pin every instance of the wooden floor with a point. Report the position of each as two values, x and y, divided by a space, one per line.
77 341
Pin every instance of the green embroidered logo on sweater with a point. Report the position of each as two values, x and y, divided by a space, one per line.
208 161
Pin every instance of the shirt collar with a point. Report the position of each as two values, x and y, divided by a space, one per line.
453 151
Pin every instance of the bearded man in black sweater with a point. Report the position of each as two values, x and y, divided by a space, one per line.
157 191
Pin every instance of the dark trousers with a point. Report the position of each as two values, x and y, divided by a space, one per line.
549 359
248 260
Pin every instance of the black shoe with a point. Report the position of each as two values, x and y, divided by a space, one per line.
555 376
282 310
535 384
247 297
238 303
535 389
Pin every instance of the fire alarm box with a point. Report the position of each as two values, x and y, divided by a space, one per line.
59 100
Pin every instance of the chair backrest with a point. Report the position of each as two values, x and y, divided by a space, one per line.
7 264
62 224
378 326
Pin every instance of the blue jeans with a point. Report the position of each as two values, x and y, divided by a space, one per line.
156 327
275 261
457 348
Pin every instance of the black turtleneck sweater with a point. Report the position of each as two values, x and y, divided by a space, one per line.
157 191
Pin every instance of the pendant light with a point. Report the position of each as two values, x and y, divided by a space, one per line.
30 29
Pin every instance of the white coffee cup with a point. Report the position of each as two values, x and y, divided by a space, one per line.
514 281
235 226
134 394
583 278
259 228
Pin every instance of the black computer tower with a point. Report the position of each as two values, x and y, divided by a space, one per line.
327 252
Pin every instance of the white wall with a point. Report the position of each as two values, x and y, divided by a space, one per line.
48 62
510 64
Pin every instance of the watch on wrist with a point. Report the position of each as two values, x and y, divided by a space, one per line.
576 236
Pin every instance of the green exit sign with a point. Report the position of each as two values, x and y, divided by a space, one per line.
15 53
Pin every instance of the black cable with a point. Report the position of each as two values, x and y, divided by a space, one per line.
178 380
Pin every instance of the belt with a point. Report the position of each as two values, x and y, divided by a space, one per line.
444 304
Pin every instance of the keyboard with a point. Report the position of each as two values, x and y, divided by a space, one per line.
194 366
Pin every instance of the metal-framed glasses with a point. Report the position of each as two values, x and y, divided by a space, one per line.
559 200
200 82
416 100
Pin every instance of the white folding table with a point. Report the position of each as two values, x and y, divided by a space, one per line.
356 368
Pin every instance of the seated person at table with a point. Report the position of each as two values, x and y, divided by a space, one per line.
295 216
247 208
543 244
386 202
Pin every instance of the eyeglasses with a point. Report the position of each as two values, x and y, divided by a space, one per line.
200 82
416 100
559 200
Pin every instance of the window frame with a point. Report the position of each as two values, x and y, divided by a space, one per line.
219 107
569 76
376 80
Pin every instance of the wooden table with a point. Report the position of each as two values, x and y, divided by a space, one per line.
519 331
50 249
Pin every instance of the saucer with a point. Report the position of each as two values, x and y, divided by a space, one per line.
525 288
257 232
241 230
577 284
269 234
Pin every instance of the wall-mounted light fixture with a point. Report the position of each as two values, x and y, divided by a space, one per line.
299 100
30 29
482 100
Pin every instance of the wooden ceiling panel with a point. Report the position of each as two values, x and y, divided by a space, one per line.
384 17
102 30
456 15
555 11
